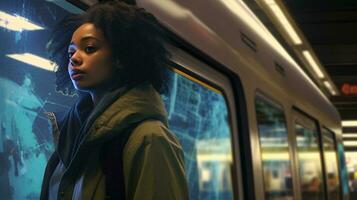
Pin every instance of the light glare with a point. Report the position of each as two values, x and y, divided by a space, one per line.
285 24
329 86
17 23
284 21
34 60
313 64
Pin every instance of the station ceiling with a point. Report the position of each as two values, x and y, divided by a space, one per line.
330 26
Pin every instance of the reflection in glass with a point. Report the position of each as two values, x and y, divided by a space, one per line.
275 151
198 116
26 92
310 170
331 166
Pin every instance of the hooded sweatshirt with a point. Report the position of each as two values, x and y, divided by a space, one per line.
153 164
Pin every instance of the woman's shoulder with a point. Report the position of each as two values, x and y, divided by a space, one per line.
152 132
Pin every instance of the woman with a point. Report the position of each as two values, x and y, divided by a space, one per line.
114 142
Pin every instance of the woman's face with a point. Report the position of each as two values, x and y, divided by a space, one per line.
90 64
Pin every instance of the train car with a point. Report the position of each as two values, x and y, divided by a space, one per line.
252 124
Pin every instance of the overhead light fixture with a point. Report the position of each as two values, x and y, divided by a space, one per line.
313 63
276 10
349 135
349 123
34 60
330 88
17 23
350 143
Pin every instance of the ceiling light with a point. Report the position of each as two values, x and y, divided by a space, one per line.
17 23
329 86
34 60
313 64
350 143
349 123
349 135
276 10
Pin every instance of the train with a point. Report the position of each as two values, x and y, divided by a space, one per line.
252 123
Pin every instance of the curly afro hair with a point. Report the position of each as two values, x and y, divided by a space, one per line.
134 35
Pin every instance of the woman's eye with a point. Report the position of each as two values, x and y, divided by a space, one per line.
90 49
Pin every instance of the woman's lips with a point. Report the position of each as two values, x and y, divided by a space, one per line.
77 76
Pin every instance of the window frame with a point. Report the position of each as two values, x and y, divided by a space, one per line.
302 118
274 103
203 72
333 134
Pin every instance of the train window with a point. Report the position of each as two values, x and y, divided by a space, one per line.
331 165
26 91
308 151
274 146
198 115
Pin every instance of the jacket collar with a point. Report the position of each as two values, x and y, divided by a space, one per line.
138 104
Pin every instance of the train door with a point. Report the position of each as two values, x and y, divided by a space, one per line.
201 113
309 157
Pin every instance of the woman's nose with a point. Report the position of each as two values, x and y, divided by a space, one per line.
75 60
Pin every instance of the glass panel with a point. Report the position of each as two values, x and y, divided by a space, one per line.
275 150
198 115
310 170
26 91
333 181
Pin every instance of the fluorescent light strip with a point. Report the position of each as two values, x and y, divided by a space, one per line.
17 23
349 135
350 143
329 86
349 123
313 64
34 60
284 21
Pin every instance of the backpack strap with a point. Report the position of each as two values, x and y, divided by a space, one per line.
112 165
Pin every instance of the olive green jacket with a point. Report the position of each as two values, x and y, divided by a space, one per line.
153 163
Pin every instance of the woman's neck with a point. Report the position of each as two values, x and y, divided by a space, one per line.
97 96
